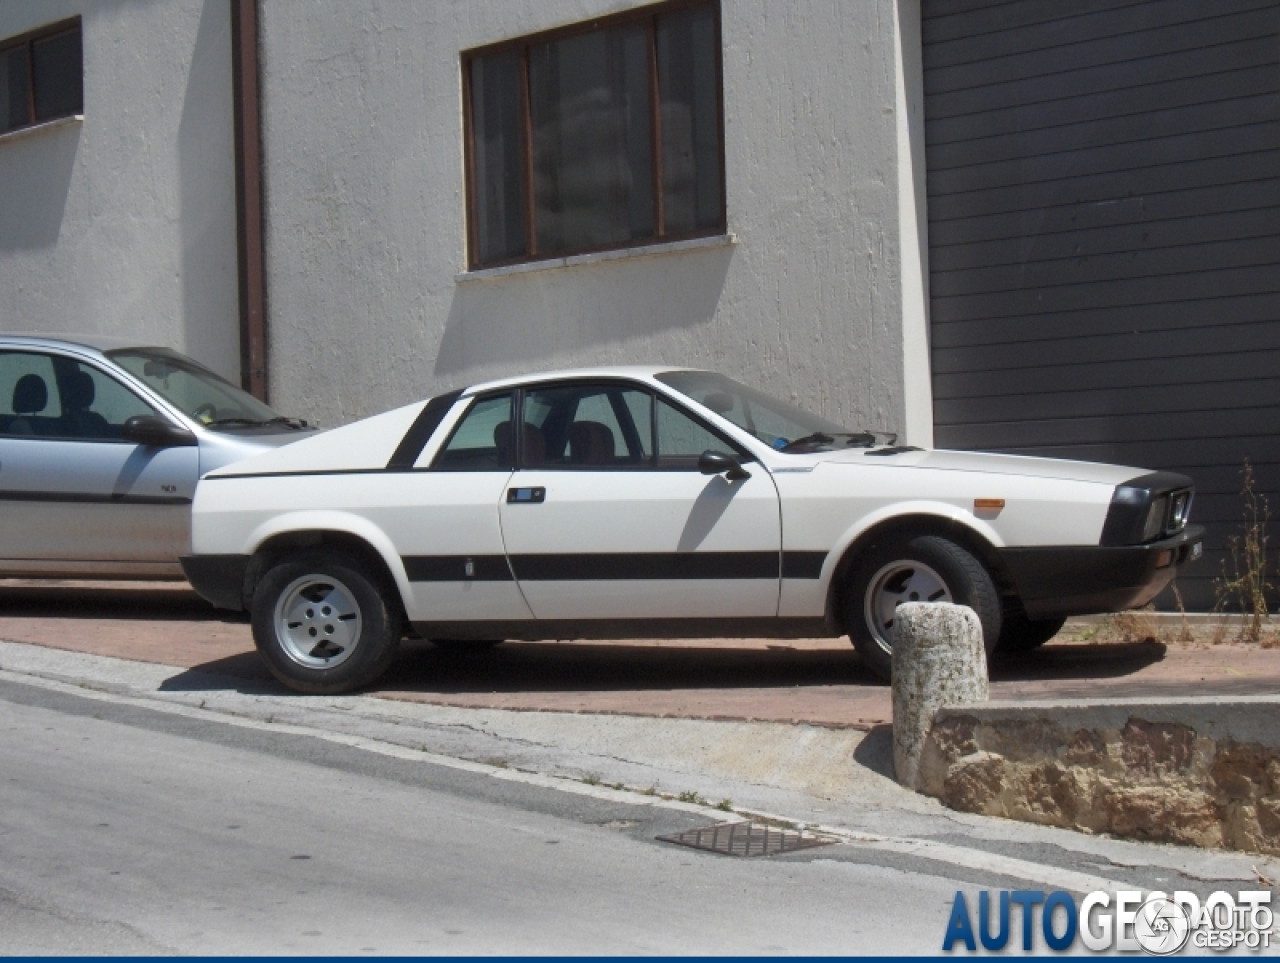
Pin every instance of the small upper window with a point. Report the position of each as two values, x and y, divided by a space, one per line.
594 137
41 76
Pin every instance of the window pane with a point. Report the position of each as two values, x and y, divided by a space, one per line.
595 426
482 442
681 440
498 149
29 403
57 71
690 118
14 107
592 144
95 405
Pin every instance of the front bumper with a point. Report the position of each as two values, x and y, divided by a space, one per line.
218 578
1081 580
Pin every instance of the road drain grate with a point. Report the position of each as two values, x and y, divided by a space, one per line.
746 839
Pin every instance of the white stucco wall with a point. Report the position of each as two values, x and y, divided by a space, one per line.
365 227
125 223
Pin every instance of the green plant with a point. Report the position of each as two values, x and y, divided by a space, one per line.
591 779
1246 584
725 805
691 797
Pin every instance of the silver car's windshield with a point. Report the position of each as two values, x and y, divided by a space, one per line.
775 422
195 390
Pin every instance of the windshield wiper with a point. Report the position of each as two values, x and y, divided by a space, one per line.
817 438
295 424
248 422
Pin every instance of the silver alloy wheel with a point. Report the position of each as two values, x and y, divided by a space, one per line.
905 580
317 621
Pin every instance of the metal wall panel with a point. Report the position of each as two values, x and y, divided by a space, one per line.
1104 238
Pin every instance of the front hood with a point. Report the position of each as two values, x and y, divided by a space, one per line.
977 461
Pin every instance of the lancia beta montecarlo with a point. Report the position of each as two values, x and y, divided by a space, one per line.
647 502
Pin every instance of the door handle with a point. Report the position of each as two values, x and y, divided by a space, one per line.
534 496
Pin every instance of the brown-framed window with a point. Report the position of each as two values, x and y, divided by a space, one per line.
41 76
602 135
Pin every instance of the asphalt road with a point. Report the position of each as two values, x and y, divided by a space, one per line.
125 830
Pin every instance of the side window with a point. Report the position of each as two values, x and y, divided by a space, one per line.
482 441
29 403
681 440
51 396
587 426
95 405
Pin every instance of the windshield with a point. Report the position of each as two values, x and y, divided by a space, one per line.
777 423
197 391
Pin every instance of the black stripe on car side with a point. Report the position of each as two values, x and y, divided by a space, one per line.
613 566
89 498
648 565
802 564
420 432
453 568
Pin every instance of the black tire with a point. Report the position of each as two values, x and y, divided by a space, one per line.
1018 633
923 568
338 603
466 645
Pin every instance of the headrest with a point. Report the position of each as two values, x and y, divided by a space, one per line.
590 443
30 395
77 391
535 445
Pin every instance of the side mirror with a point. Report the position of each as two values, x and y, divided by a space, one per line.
156 432
718 463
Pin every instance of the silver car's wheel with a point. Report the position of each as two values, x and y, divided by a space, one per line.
895 583
318 622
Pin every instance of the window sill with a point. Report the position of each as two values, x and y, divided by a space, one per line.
22 132
658 249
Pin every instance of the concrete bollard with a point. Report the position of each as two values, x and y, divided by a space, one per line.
938 660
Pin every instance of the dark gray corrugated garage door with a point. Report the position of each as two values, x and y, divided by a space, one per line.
1104 238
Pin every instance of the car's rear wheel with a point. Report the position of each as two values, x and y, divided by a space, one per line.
324 623
924 568
1018 633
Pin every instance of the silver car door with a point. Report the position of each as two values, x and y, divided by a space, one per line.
79 499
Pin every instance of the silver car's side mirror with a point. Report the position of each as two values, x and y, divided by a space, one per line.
156 432
717 463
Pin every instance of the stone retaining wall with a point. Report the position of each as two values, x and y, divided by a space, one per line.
1201 772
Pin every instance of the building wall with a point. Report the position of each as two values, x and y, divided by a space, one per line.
368 302
124 223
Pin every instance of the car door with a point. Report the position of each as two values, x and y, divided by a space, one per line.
608 516
79 498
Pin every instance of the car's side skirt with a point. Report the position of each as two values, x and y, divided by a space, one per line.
684 628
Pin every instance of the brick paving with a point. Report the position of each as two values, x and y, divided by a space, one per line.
818 681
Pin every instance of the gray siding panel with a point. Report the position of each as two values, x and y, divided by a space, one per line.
1104 229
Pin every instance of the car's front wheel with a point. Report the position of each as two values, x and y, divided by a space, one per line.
924 568
324 623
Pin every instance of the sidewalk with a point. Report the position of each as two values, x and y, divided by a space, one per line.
819 681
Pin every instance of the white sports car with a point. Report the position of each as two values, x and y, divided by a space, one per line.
649 502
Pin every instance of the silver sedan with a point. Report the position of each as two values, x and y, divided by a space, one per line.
101 444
